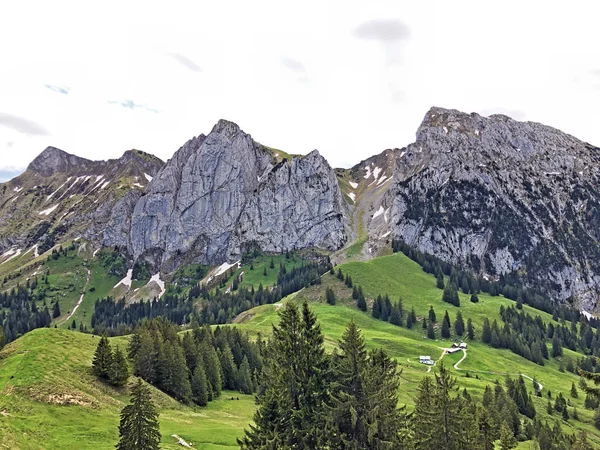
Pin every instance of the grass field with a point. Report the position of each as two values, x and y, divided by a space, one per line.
48 366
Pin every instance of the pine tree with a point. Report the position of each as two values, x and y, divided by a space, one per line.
430 330
2 337
486 431
432 317
439 281
245 377
212 367
486 333
139 427
411 318
272 264
470 329
228 368
119 370
143 353
360 301
474 298
459 324
446 325
377 307
556 346
199 386
574 392
565 414
103 359
290 412
265 271
581 442
396 316
507 437
330 296
56 310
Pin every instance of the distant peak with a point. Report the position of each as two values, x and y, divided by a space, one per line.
53 160
227 128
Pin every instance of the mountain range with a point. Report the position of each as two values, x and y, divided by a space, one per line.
498 197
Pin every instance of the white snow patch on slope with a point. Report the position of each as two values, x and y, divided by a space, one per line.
385 235
382 179
8 253
148 177
402 154
376 172
386 216
225 267
125 281
13 256
352 195
161 284
18 189
368 175
138 185
95 252
379 212
587 315
353 184
105 184
59 188
50 210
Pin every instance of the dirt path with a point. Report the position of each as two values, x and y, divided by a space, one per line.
89 273
540 385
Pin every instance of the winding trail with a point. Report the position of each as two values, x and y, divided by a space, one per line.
89 273
540 385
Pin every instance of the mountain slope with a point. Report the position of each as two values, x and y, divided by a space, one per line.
223 194
62 196
503 198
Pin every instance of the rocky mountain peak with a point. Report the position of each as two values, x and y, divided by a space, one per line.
53 160
226 128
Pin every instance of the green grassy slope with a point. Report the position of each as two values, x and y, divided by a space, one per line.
50 399
398 276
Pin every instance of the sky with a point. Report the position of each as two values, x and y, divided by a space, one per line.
350 79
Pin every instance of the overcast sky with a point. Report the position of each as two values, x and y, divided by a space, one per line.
348 78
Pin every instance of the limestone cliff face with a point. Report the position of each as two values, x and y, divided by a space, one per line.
502 197
222 192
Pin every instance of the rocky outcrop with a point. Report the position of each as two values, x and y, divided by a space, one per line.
53 160
223 192
503 197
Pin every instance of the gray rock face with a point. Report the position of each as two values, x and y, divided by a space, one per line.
53 160
501 196
222 192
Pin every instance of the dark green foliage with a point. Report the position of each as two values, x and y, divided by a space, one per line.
103 359
450 295
430 330
56 310
459 324
330 296
272 264
139 427
446 326
474 298
361 302
411 319
291 409
470 329
245 378
439 282
557 349
199 386
574 392
2 338
432 317
119 370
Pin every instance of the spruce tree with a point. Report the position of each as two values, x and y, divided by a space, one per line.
119 371
432 317
446 325
330 296
103 359
361 303
474 298
56 310
199 386
430 330
291 411
212 367
228 368
139 428
377 307
439 281
507 437
470 329
411 318
574 392
396 316
459 324
245 377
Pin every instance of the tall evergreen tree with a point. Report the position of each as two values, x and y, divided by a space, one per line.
199 386
430 330
446 326
290 412
228 368
470 329
245 384
55 310
507 437
119 370
330 296
139 427
411 318
103 359
459 324
432 317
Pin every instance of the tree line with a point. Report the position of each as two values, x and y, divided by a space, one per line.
309 399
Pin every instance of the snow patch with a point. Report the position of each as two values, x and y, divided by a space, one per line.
353 184
49 211
587 315
382 179
18 189
105 184
95 252
476 132
386 216
161 284
376 172
352 195
125 281
225 267
379 212
59 188
148 177
445 130
13 255
385 235
368 175
138 185
402 154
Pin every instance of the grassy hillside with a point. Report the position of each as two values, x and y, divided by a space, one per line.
398 276
50 399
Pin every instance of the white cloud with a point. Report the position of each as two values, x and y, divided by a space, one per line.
351 86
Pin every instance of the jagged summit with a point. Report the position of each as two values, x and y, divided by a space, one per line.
226 128
53 160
